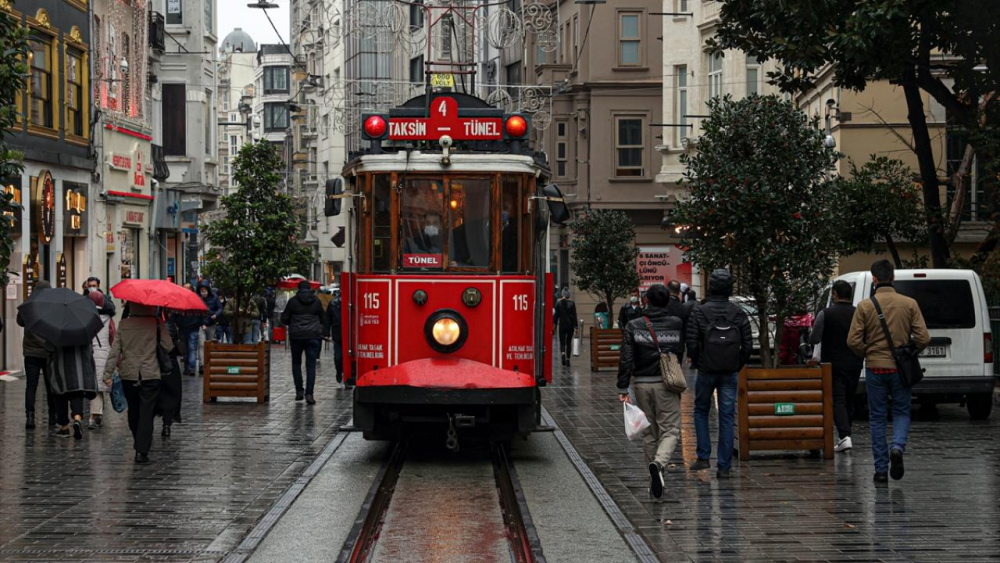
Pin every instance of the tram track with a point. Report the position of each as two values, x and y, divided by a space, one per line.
443 506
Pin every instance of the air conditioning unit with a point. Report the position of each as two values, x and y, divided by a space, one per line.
157 34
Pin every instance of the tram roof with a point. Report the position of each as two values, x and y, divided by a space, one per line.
417 161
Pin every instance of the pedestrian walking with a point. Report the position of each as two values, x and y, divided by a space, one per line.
73 379
829 335
211 319
169 399
101 346
238 315
333 312
37 352
188 329
631 310
719 342
272 303
135 349
304 317
565 320
259 325
640 365
887 315
94 284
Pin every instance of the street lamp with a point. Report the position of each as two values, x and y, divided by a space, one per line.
262 5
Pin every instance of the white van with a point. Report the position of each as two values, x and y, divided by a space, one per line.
958 363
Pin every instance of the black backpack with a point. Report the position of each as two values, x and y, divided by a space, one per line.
721 343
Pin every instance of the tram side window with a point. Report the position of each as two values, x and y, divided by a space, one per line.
381 223
469 218
510 223
421 224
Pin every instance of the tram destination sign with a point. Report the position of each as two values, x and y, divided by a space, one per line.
445 120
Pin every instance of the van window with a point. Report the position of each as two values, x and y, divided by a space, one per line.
944 303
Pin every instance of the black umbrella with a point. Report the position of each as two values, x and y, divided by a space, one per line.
61 316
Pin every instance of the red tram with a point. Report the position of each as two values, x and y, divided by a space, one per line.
446 317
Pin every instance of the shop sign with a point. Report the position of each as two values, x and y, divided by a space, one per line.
109 240
14 216
60 270
30 273
660 264
75 211
121 162
138 172
134 218
44 201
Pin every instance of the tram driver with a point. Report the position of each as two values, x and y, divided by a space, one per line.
429 239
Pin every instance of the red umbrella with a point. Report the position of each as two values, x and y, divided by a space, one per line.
159 293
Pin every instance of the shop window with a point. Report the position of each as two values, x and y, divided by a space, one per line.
174 120
40 104
628 146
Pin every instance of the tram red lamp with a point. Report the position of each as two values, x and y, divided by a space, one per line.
375 127
516 127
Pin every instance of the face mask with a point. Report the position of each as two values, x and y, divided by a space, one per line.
431 230
634 300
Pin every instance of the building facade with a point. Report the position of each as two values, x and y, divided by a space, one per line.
237 73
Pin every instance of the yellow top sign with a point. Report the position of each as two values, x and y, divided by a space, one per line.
443 80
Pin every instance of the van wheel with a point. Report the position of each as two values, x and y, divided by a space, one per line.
861 407
980 405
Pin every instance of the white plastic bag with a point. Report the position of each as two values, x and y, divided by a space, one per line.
635 421
576 346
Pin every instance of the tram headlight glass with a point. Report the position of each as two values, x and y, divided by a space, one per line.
446 331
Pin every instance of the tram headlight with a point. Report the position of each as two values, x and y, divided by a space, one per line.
446 330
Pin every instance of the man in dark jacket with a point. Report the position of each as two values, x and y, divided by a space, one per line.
188 327
304 317
830 332
640 363
37 353
719 342
214 306
677 309
565 321
631 310
333 328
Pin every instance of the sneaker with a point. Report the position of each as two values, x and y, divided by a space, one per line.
881 477
700 464
896 463
63 433
843 445
656 479
77 430
722 474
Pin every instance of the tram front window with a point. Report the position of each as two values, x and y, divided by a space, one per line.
469 217
421 224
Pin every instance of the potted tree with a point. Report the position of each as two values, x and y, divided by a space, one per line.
252 247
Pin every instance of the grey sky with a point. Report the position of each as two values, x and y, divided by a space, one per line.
235 13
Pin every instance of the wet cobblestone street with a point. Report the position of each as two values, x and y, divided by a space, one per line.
787 507
68 500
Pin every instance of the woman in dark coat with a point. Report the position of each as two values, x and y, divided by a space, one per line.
168 402
72 378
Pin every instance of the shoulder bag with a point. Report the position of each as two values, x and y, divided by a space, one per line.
670 368
907 357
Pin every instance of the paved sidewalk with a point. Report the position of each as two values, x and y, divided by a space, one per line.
68 500
791 507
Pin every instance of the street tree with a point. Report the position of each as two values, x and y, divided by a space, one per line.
945 48
256 243
604 255
880 204
760 203
13 53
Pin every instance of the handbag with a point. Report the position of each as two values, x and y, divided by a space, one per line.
576 345
118 401
907 357
670 367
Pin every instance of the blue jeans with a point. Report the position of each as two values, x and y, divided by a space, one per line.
884 388
191 352
705 386
311 347
255 330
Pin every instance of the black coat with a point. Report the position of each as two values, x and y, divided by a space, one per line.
565 315
705 313
304 316
333 320
628 314
640 356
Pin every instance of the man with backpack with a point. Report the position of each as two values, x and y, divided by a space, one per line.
719 342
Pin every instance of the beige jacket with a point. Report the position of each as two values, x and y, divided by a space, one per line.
135 346
905 321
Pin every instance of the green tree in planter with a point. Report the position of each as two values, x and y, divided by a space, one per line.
759 203
13 52
881 205
604 254
256 244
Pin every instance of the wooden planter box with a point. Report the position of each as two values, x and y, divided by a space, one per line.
237 370
605 348
785 409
